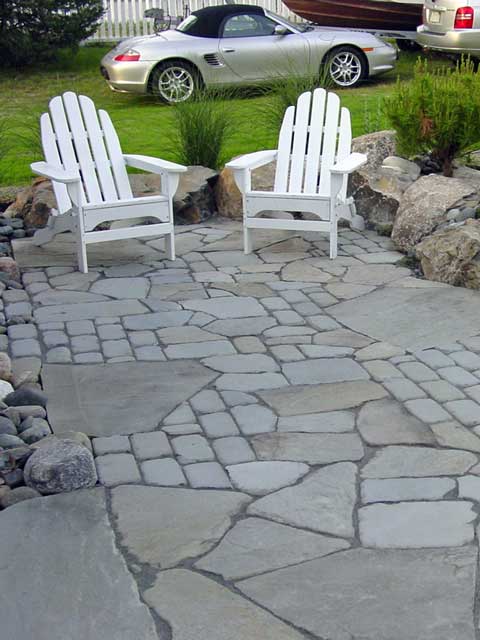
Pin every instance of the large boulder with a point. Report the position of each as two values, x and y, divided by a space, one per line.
426 205
228 196
34 204
60 465
453 255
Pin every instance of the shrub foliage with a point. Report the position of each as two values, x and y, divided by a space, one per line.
437 112
34 30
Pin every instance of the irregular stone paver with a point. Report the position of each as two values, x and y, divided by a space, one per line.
88 310
431 597
255 546
395 462
387 422
228 307
454 436
164 471
233 450
192 449
99 403
122 287
207 474
324 370
399 489
164 526
254 419
117 468
244 363
196 607
313 448
72 531
259 478
322 502
417 524
328 422
250 381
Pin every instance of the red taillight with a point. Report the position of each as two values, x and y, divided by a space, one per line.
464 18
127 57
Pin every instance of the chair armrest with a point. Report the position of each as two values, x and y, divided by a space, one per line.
153 165
54 173
350 164
252 160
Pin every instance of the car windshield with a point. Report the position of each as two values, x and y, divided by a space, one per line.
297 26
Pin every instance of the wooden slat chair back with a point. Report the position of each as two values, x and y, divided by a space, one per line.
85 162
313 162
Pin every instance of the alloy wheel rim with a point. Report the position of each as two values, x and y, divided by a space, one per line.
175 84
345 68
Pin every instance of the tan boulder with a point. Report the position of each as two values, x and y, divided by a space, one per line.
34 203
453 256
424 207
227 195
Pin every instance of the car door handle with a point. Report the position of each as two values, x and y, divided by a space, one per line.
228 50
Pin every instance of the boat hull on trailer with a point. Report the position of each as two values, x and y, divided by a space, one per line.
360 14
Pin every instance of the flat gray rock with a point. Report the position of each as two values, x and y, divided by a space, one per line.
379 595
324 370
55 296
296 400
259 478
417 524
183 335
328 422
412 318
399 489
165 526
242 327
243 363
227 307
250 381
122 287
323 502
88 310
418 462
197 608
313 448
118 399
254 418
387 422
62 251
71 530
255 546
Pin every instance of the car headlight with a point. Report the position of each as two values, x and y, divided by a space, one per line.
131 55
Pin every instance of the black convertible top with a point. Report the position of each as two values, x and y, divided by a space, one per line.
209 20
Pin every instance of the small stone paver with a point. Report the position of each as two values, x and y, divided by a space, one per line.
88 358
207 475
381 370
246 344
85 343
458 376
323 370
383 422
110 332
111 444
403 389
259 478
233 450
467 360
417 524
453 435
153 444
253 419
116 348
142 338
427 410
165 472
19 331
400 489
442 391
182 429
467 411
434 358
243 363
192 448
117 468
417 371
150 354
378 351
199 349
417 462
218 425
80 327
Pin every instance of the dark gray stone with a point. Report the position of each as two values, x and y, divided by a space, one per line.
7 426
8 441
18 495
26 396
60 465
39 429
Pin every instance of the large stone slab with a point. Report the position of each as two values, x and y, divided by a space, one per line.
324 370
88 310
298 400
376 594
387 422
313 448
162 527
323 502
413 318
197 608
227 307
115 399
445 523
255 546
418 462
62 251
63 576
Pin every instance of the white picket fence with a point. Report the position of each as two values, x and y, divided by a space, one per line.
125 18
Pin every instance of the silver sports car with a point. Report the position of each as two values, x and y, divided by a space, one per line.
240 44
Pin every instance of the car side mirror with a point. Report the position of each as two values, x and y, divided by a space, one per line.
280 30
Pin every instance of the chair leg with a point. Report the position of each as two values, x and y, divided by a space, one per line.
333 238
170 245
82 254
247 240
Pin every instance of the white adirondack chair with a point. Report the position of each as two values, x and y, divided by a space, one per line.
85 162
313 162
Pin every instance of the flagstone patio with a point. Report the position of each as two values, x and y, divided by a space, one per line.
288 445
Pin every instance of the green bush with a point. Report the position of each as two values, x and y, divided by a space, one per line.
437 112
202 125
33 31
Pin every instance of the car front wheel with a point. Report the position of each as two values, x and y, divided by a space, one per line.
174 82
346 67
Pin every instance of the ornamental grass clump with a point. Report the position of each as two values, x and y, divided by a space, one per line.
437 113
202 126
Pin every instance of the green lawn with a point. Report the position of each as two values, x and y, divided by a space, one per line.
143 124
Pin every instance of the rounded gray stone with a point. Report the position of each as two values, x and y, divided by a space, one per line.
60 465
18 495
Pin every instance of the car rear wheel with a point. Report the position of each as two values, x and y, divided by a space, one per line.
346 66
174 82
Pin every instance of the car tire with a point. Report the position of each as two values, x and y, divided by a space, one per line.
346 67
407 45
175 81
